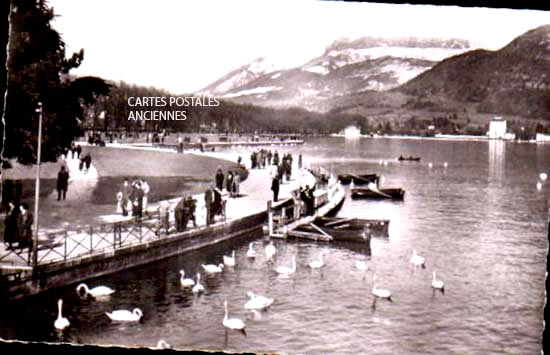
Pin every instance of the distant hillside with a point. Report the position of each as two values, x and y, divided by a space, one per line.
347 67
514 80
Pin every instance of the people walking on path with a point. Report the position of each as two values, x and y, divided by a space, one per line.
62 183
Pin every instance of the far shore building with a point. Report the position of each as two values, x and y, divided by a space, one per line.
497 129
352 131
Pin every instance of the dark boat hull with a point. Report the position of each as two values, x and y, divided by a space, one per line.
408 159
364 179
384 194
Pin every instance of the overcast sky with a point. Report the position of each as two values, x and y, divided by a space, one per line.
182 46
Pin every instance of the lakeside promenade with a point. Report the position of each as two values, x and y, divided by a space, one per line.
119 235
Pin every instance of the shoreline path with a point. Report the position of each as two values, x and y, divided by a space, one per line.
255 192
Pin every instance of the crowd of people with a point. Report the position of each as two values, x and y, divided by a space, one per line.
132 198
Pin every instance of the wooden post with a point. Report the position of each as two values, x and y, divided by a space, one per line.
269 218
37 188
91 239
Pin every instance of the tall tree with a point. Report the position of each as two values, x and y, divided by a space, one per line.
38 72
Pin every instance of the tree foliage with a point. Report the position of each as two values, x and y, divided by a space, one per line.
38 72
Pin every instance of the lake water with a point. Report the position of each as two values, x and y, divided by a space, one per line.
480 222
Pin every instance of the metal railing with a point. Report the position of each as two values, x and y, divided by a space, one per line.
66 245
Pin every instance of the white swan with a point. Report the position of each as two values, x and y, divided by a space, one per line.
162 344
198 287
96 291
417 260
251 253
229 260
380 292
186 282
361 265
232 323
539 185
285 270
270 250
257 302
212 268
437 284
61 322
543 176
316 264
124 315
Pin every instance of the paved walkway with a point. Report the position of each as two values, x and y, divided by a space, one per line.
255 192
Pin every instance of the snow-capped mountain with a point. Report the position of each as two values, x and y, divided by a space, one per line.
346 67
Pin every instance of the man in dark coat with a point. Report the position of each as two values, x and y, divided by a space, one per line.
181 215
219 179
208 201
11 229
62 183
275 187
24 223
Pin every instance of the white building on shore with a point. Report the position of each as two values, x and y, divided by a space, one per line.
352 131
497 129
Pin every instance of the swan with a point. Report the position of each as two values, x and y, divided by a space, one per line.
316 264
212 268
232 323
285 270
445 164
186 282
162 344
229 260
361 265
417 260
251 253
61 322
437 284
270 250
96 291
380 292
539 185
430 165
543 176
124 315
198 287
257 302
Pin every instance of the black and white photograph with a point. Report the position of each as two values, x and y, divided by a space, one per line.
274 177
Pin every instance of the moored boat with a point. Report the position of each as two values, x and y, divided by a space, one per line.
410 158
393 193
362 179
343 229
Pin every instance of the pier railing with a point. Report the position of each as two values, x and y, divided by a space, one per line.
66 245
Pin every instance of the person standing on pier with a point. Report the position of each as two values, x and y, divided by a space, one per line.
276 158
236 184
269 156
164 217
275 187
229 183
145 188
62 183
208 201
125 197
300 161
11 230
219 179
25 221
